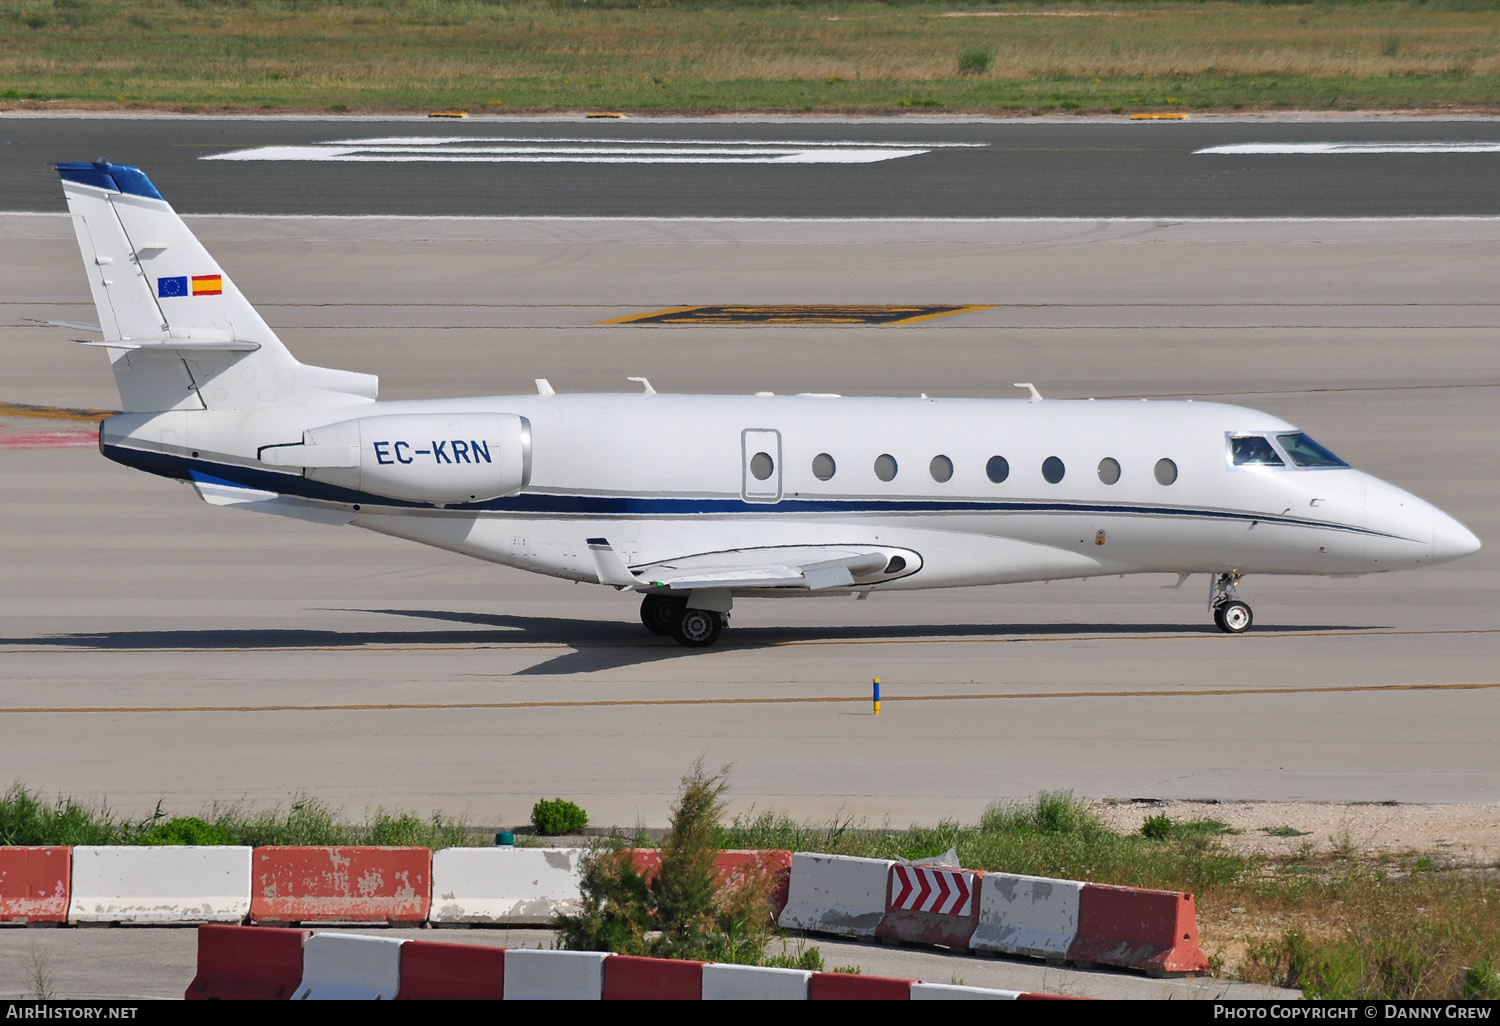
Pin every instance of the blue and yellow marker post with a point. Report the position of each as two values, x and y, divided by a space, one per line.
877 696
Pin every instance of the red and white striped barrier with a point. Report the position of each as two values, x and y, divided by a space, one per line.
256 962
1062 920
1153 931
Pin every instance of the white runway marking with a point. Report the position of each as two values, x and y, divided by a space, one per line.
1356 147
536 150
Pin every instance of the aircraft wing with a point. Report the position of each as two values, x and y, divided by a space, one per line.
810 567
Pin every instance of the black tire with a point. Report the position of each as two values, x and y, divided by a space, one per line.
698 628
1233 617
660 613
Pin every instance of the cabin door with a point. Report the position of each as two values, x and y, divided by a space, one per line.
760 465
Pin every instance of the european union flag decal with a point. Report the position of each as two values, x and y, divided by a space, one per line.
168 287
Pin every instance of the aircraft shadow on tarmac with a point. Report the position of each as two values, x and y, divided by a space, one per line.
602 645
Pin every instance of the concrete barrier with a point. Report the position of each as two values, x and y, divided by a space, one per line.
1156 931
447 972
630 978
34 884
512 886
245 963
554 975
836 894
956 992
176 884
931 905
355 885
849 987
723 982
1027 915
349 967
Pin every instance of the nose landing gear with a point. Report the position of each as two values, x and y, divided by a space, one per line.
1230 614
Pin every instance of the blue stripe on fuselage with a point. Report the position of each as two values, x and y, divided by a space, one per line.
547 504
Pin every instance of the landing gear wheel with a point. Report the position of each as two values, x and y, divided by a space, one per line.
660 613
698 628
1233 617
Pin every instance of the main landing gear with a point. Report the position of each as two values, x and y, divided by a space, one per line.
669 614
1230 614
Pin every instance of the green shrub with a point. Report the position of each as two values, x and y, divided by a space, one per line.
557 817
974 61
186 830
1158 827
686 910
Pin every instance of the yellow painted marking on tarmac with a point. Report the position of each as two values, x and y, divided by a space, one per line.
783 314
618 703
28 411
1158 117
655 313
945 313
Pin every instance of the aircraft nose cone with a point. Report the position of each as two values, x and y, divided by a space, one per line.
1450 539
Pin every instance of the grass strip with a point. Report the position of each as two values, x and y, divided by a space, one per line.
826 56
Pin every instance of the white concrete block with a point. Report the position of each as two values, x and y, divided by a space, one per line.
1027 915
722 982
349 967
955 992
836 894
554 975
171 884
515 886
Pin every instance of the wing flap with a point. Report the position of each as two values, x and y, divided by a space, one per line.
806 567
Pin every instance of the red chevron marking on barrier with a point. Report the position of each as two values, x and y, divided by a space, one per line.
903 881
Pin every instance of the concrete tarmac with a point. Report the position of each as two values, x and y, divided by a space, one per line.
156 648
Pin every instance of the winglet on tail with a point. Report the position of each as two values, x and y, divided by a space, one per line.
180 334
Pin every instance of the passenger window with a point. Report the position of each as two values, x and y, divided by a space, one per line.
823 467
1307 453
885 467
1253 451
1109 470
941 468
1053 469
761 465
997 469
1166 472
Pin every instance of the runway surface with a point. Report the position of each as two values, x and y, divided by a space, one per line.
1208 166
154 647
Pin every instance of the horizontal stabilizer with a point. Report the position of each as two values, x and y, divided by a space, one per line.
218 492
177 345
70 325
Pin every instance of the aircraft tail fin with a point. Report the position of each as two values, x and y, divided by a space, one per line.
179 333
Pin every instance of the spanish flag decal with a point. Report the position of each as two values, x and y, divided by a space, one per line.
208 285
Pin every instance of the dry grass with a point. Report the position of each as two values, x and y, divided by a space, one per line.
822 56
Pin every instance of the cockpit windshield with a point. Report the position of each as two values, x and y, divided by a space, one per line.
1253 451
1307 453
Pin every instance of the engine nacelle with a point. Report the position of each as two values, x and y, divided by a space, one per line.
422 457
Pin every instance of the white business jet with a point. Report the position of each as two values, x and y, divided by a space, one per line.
694 500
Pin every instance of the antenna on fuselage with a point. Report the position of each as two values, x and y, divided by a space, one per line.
644 384
544 387
1036 396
